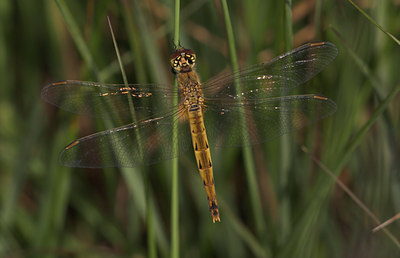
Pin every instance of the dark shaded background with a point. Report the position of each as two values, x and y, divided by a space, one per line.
50 210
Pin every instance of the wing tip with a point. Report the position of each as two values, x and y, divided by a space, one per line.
46 89
325 44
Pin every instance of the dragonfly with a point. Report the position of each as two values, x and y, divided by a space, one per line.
241 108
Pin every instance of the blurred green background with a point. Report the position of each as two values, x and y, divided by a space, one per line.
54 211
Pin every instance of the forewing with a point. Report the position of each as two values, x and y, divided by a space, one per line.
258 121
143 143
273 78
110 100
261 109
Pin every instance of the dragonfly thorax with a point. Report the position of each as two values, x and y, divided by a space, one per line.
193 96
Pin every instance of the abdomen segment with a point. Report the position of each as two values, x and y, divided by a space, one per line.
203 158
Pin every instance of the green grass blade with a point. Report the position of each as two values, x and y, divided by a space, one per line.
363 131
375 23
352 196
285 157
134 42
19 172
54 202
119 57
150 234
50 211
249 161
320 192
317 17
244 233
360 63
288 25
78 39
175 171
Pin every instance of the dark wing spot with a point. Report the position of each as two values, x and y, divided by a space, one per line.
204 183
215 212
200 166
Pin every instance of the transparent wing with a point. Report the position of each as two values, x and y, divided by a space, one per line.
142 143
259 121
110 100
273 78
263 105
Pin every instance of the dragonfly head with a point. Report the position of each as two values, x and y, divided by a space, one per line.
183 60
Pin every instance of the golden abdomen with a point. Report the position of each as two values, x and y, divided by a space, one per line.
203 157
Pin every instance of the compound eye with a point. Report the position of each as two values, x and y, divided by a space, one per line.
175 63
191 58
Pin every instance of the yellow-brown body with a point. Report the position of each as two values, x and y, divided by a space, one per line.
193 100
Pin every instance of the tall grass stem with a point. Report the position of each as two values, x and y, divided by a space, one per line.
175 171
285 157
78 39
248 157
